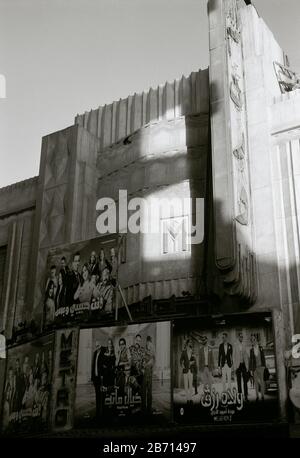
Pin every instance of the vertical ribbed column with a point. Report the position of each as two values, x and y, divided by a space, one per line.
144 108
92 122
193 83
203 93
14 312
85 120
152 108
8 307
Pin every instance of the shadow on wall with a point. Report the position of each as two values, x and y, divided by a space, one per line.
209 289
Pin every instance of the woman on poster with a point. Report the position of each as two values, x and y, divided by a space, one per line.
9 397
108 366
60 296
30 392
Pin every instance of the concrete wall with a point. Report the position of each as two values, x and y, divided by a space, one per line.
158 144
155 144
285 129
260 50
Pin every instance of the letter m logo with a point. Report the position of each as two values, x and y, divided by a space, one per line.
66 340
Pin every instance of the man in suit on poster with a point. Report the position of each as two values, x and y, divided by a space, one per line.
225 361
64 269
148 365
93 265
206 364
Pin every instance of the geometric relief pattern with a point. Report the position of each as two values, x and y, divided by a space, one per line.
241 168
287 79
57 162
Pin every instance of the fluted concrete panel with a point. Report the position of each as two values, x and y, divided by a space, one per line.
111 123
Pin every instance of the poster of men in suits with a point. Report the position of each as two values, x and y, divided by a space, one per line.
224 371
123 374
80 282
26 394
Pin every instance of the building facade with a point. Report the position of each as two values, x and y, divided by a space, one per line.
159 326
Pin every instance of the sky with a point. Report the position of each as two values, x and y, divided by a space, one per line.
63 57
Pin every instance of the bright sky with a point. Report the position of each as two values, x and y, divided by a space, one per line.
62 57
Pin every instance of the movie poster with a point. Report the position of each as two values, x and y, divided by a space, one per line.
123 374
224 370
26 396
81 281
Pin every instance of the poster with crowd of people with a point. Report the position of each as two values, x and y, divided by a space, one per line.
123 373
26 395
81 280
224 370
